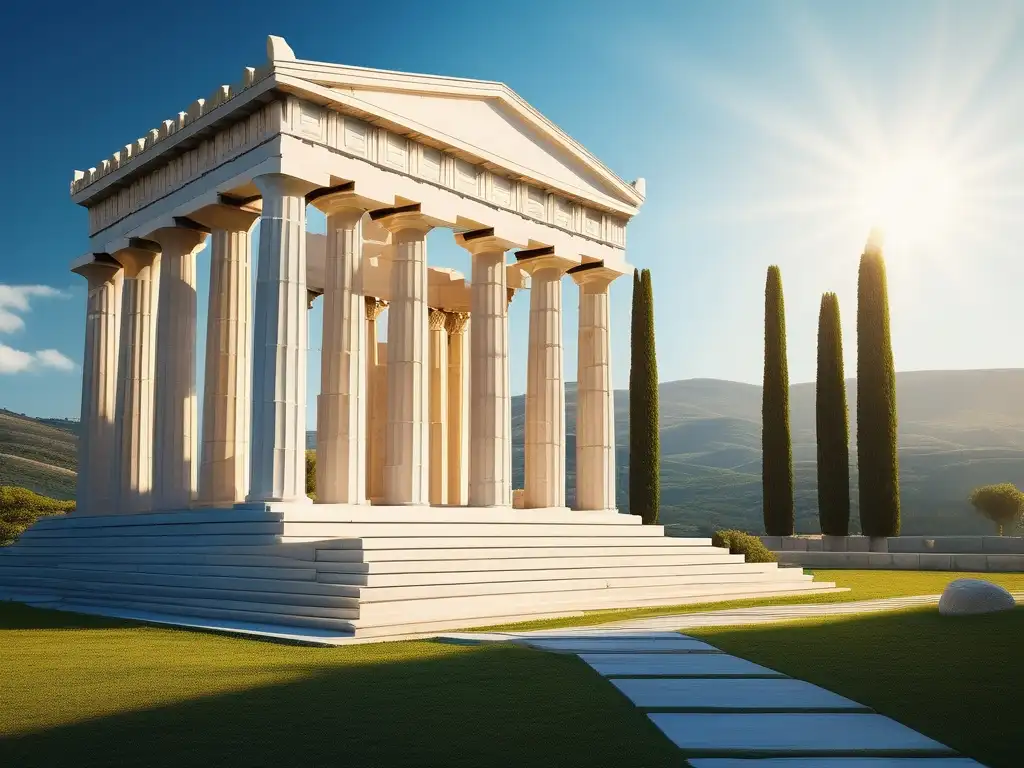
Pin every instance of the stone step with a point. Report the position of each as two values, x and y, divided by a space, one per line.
476 609
193 569
695 574
274 550
241 604
275 619
7 573
344 513
441 561
157 529
78 543
307 531
77 521
433 591
386 559
46 558
112 591
497 540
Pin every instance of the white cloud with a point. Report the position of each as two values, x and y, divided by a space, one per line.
51 358
14 301
14 360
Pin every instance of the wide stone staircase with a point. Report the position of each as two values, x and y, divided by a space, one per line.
376 571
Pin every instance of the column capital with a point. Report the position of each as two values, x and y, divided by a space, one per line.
282 184
374 307
185 237
483 241
340 200
593 275
311 296
403 218
137 256
511 294
102 269
535 260
456 322
438 319
230 214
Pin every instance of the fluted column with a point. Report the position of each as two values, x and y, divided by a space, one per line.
438 407
227 385
133 440
595 407
176 416
544 483
376 402
456 324
407 441
95 493
341 406
490 413
280 339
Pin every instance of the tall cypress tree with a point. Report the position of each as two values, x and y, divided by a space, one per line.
776 446
877 459
635 396
833 427
649 478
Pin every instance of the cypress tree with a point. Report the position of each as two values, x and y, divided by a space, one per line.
877 460
833 428
635 396
650 443
776 447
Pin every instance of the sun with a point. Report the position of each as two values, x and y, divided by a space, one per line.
914 198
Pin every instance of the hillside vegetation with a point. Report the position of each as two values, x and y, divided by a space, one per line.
38 454
19 508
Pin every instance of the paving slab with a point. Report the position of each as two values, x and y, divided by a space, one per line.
597 644
716 734
675 664
835 762
731 694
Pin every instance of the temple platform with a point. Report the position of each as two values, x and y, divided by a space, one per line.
372 572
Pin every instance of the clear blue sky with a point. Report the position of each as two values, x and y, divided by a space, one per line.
768 133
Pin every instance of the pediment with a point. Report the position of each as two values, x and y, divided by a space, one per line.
482 121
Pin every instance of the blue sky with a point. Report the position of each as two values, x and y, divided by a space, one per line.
770 132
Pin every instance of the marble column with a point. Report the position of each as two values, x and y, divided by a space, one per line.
407 440
456 324
595 407
95 493
176 415
376 402
227 386
277 471
490 411
544 482
341 405
438 407
133 430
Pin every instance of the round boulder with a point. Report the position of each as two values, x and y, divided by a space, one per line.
966 597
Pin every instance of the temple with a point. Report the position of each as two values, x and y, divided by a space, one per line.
414 525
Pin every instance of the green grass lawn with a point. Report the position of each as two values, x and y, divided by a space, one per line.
863 585
83 691
957 680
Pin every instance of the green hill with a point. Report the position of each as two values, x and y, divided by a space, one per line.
38 454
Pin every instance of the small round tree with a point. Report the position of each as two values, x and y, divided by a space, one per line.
1003 504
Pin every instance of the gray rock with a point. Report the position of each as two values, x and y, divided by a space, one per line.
965 597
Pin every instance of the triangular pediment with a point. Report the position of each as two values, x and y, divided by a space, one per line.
477 119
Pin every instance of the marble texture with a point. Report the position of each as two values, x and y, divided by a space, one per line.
280 342
176 406
227 383
95 479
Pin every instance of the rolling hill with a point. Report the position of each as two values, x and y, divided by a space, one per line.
958 429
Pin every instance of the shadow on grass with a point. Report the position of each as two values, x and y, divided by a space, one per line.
955 679
155 697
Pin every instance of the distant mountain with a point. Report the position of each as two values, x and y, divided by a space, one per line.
957 430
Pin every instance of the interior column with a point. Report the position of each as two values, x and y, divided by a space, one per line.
176 418
376 402
456 324
438 407
407 440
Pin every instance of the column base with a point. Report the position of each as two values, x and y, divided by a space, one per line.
282 505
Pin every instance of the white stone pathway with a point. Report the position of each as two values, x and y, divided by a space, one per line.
727 712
